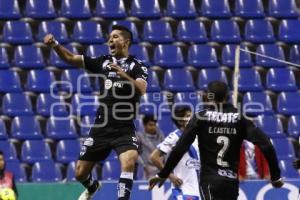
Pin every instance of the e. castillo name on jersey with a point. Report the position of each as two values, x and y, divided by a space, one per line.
118 95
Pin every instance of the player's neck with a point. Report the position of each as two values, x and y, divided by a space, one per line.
122 55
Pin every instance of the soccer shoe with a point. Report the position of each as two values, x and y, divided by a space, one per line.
85 195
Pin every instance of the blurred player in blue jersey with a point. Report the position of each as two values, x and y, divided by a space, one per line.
185 175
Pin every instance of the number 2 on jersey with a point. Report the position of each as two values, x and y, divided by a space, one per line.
223 140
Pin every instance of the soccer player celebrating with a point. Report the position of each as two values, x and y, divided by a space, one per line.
124 81
221 130
185 175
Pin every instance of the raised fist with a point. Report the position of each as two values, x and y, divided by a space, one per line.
49 40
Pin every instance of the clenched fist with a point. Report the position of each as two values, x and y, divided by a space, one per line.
50 40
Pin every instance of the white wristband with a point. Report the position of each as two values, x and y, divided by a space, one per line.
54 44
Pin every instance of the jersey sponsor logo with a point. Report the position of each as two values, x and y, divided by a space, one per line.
112 74
222 130
222 117
118 84
108 84
192 164
88 142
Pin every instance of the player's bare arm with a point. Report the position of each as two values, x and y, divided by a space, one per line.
140 84
156 158
63 53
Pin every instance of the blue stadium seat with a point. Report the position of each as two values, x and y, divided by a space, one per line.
154 103
56 28
288 103
283 147
141 53
153 82
78 81
190 99
168 56
87 32
110 9
111 170
259 31
85 125
178 80
215 9
225 31
166 125
112 156
145 9
130 25
58 129
9 9
34 151
4 61
96 50
48 105
249 81
294 126
249 9
54 59
202 56
271 125
289 31
16 104
287 169
3 131
9 81
40 9
78 10
71 172
84 105
164 35
283 9
40 81
53 172
257 103
181 9
29 57
295 54
17 169
208 75
281 79
26 128
8 150
17 32
191 31
67 151
228 56
271 50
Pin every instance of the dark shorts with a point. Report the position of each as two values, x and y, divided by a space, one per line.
219 190
101 141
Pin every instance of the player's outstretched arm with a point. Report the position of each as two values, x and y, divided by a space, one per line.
63 53
256 136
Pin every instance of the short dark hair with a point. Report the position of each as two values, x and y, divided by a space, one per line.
149 118
1 153
217 91
179 112
126 33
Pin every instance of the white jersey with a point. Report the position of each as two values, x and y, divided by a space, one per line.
188 167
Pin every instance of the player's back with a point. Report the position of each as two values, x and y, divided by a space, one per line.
220 136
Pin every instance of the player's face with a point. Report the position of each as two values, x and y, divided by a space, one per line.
118 45
150 127
2 163
185 119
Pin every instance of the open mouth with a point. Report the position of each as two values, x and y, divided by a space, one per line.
112 48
